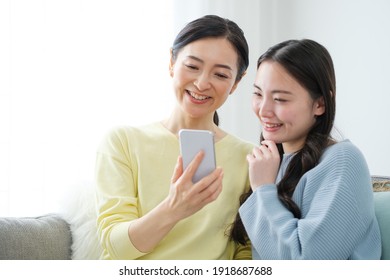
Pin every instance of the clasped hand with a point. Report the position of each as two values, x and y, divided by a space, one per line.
263 164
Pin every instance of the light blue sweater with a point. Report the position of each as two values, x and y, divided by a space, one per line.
336 201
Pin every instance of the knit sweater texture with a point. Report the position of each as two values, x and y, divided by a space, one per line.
133 174
336 201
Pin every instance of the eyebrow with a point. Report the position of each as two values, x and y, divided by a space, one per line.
275 90
216 65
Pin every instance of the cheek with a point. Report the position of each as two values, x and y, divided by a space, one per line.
255 105
298 116
222 98
289 116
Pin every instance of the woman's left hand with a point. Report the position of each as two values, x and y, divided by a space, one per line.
263 164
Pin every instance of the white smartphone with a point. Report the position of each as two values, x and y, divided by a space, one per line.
191 142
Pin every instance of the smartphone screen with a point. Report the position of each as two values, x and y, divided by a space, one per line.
191 142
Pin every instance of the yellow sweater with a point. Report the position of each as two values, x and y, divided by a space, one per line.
133 172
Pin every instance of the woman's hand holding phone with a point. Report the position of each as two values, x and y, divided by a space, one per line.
186 197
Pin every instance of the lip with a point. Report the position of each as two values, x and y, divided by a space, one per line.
197 98
271 127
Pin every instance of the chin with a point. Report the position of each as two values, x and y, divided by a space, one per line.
276 141
270 138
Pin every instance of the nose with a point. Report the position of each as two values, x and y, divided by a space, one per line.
263 107
202 82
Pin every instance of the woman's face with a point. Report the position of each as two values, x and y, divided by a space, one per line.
285 109
204 74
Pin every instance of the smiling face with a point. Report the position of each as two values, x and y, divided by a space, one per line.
285 109
204 74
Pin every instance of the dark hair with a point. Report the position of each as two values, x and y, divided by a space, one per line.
215 26
311 65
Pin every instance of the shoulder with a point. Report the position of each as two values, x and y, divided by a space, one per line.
121 137
343 150
126 132
344 159
342 168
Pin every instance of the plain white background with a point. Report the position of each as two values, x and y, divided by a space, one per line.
71 70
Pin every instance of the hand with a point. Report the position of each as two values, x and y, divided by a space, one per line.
263 164
186 198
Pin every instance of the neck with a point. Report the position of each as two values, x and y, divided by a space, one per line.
176 122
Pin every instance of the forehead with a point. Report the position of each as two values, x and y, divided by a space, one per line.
212 50
273 76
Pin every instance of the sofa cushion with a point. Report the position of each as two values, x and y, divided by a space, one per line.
36 238
382 211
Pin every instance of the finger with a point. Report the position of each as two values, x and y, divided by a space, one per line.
265 151
193 166
207 180
214 195
212 191
257 153
250 158
178 171
271 146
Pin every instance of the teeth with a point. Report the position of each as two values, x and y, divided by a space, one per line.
272 125
197 97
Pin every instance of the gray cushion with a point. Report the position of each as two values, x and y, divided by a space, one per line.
37 238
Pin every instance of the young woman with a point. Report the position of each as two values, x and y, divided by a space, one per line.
312 196
145 212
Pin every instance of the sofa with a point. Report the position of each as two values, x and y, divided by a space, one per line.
35 238
71 235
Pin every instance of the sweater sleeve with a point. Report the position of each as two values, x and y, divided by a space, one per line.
117 198
335 199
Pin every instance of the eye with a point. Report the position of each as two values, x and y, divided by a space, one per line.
221 75
191 67
258 93
281 100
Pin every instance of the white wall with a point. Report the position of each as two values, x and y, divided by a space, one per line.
70 71
356 33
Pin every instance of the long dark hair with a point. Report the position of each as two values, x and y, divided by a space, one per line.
311 65
215 26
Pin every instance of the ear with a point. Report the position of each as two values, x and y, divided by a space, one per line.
319 106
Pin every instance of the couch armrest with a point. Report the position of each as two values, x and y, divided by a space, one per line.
35 238
382 212
381 187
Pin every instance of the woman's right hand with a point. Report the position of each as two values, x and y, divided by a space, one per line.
186 198
263 164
